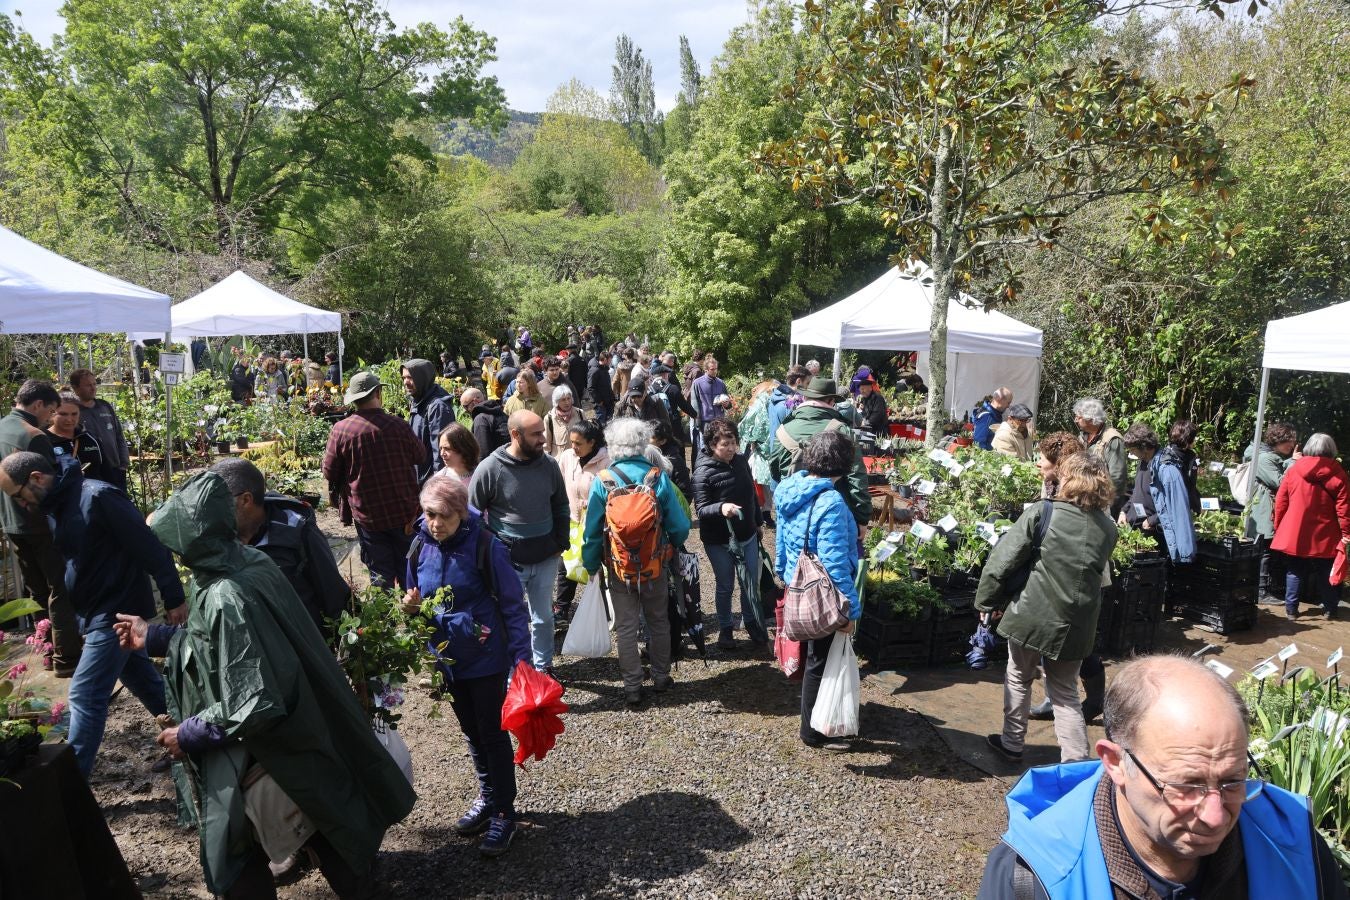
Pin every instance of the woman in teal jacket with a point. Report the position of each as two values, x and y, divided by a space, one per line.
812 514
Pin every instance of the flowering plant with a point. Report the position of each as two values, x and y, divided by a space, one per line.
380 647
24 714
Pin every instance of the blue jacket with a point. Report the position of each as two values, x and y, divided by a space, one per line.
107 549
985 419
454 563
674 518
1051 826
780 404
1173 505
834 532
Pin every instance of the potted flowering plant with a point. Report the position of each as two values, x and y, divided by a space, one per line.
25 718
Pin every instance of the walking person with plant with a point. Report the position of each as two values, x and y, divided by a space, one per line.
814 518
1312 524
584 459
1042 582
483 630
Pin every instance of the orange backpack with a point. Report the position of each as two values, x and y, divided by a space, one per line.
637 543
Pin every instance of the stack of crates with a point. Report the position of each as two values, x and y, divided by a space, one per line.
1133 607
1219 588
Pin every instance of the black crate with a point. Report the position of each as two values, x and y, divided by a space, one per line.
1227 548
957 602
1129 619
951 639
1222 620
1192 593
1142 577
1227 569
904 643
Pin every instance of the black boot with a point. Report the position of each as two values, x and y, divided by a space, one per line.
1094 691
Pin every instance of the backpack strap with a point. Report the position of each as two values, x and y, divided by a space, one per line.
787 440
1023 881
1042 524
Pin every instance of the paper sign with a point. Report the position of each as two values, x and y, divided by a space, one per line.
955 469
1209 502
938 455
918 476
925 487
1287 652
947 522
1265 670
883 551
1286 731
896 537
1220 668
1216 466
922 531
969 463
1335 657
1005 471
1227 473
1139 510
173 363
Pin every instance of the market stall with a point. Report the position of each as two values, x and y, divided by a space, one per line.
1312 342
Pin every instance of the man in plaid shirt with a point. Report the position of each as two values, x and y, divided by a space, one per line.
371 467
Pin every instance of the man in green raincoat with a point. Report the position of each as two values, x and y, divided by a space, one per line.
250 680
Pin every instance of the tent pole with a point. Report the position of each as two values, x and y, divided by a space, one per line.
60 361
1260 414
339 351
89 343
306 340
838 363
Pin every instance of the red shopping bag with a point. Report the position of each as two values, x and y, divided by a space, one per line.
791 655
531 710
1338 567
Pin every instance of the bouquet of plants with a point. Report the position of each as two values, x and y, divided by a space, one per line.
1130 542
381 647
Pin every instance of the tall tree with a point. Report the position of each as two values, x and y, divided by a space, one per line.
974 129
632 95
218 120
691 79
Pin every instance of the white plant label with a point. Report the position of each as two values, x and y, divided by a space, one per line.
1265 670
922 531
938 455
969 463
896 537
884 444
1286 731
925 487
1222 670
1005 471
1228 472
947 523
1139 510
1287 652
918 476
1216 466
883 552
1209 502
1335 657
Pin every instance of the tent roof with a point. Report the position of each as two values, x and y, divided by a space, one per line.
894 313
240 305
1312 342
42 292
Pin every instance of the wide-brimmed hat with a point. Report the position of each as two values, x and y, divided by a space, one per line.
362 385
822 389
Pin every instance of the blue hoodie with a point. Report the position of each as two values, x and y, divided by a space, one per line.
461 622
781 402
833 538
985 419
1051 826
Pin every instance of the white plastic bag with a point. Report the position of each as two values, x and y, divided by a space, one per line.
392 741
836 711
588 635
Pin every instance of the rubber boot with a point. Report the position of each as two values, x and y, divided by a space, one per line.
1043 711
1094 695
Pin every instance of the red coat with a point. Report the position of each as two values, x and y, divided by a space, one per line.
1312 509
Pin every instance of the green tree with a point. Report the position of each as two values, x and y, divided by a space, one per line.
678 128
214 121
745 254
974 129
632 97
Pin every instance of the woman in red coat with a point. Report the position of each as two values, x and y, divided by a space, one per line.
1312 521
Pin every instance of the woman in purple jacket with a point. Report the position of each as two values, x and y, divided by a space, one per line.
482 631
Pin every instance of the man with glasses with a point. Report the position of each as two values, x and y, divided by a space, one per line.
1172 810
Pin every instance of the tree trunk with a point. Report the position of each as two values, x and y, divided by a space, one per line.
943 284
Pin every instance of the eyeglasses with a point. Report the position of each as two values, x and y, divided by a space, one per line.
1188 795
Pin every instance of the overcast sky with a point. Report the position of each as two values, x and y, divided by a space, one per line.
541 44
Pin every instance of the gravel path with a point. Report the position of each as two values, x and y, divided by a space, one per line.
704 792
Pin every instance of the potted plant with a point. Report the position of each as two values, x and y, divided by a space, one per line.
380 646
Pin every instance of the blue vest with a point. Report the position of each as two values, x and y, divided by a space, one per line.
1052 827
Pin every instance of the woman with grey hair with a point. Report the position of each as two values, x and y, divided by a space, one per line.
635 578
1312 524
562 417
1105 443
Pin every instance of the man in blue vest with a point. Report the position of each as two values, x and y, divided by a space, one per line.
1171 810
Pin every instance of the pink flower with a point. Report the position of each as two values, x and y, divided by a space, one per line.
58 710
16 671
46 647
2 635
44 628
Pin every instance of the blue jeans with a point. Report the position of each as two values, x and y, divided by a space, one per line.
537 580
102 664
724 569
1309 580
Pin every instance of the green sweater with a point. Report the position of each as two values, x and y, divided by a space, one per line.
805 422
19 431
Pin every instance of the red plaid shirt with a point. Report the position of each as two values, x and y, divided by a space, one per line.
369 465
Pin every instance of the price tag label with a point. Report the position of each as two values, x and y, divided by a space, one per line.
925 487
918 476
947 523
1006 470
1222 670
1335 657
175 363
896 537
922 531
969 463
883 551
1287 652
1265 670
1216 466
1227 473
1209 502
940 456
170 377
955 468
1139 510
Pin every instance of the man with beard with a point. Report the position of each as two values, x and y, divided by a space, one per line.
430 410
521 493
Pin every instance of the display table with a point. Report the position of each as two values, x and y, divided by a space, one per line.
56 842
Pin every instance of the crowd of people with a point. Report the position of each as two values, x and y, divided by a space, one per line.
616 452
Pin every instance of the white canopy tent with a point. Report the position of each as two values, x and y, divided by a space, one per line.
42 292
985 349
238 305
1312 342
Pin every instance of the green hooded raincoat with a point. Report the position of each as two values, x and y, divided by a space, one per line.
251 661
